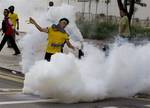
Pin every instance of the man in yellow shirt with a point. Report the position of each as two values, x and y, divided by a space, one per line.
124 30
15 21
57 37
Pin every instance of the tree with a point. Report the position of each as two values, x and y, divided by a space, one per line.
129 6
90 3
97 2
83 8
107 3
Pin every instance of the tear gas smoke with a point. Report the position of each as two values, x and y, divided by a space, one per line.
124 72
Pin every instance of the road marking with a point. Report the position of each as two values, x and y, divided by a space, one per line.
147 105
9 89
28 101
12 78
10 93
12 75
143 99
110 107
140 99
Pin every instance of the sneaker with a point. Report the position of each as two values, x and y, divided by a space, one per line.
16 53
9 46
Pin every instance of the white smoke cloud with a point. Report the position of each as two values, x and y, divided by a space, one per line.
124 72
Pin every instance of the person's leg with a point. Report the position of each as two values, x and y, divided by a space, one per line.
48 56
80 54
14 45
14 35
5 38
8 42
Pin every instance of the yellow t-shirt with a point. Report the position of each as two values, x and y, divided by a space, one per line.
13 17
55 40
124 26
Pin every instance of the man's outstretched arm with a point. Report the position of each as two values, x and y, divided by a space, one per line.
32 21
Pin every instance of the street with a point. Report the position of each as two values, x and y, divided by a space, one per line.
11 96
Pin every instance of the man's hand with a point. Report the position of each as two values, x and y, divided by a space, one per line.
31 20
41 29
16 32
17 27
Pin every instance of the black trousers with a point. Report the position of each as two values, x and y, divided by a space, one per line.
12 41
48 56
14 36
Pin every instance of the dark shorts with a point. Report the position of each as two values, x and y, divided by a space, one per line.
48 56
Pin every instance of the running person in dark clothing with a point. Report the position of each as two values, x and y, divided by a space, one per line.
8 30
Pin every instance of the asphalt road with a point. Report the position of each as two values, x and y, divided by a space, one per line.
28 101
11 96
10 84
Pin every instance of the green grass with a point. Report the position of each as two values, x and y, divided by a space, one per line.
105 30
140 32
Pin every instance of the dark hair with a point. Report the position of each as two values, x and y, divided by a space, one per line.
6 10
51 3
11 8
65 19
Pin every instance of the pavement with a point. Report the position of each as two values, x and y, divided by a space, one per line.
8 60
